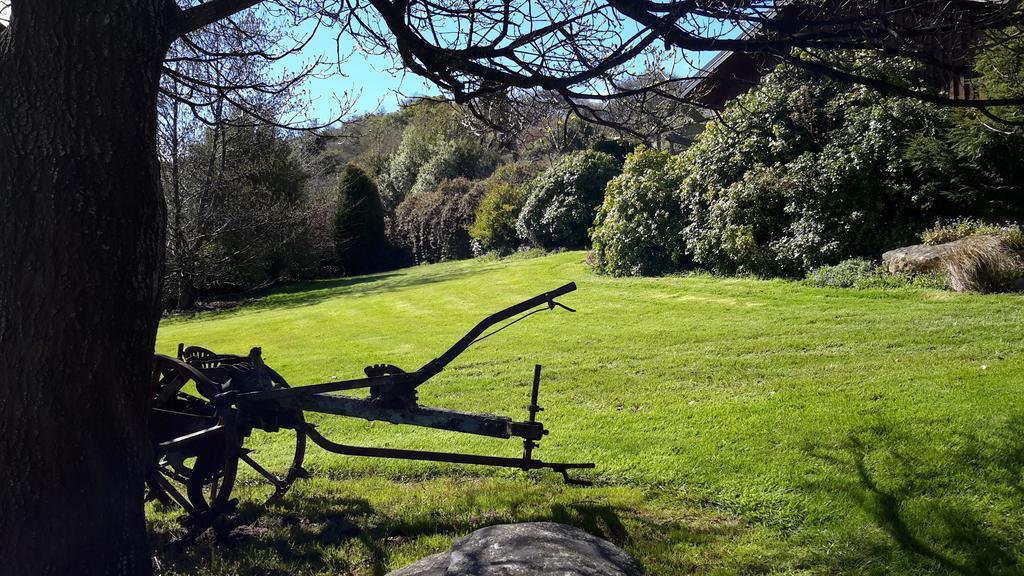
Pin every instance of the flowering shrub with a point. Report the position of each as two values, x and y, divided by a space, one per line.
564 199
638 230
432 226
801 172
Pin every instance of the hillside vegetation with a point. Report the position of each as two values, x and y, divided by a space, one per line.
796 175
738 425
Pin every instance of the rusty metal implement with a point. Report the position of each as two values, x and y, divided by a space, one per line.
206 405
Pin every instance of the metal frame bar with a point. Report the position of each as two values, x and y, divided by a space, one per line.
190 438
437 418
449 457
299 391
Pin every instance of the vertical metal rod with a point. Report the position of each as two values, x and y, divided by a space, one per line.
534 408
528 444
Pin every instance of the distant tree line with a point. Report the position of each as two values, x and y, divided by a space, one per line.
251 204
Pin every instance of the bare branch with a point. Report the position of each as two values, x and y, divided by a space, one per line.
207 13
891 88
5 15
589 52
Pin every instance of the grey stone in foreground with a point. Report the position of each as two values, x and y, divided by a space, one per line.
528 549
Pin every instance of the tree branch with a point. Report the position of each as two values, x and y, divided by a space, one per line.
207 13
891 88
5 14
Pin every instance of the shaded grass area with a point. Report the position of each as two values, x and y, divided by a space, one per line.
369 525
738 426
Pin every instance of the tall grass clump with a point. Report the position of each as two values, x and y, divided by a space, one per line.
984 263
981 256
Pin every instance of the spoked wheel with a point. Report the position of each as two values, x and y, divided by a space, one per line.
196 445
295 423
198 442
271 419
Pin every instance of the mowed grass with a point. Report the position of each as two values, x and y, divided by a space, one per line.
739 426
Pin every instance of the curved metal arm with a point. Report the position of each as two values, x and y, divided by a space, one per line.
412 379
437 364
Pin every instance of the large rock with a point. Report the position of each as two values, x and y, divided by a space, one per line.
980 262
528 549
919 258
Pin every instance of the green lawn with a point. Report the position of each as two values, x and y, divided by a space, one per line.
739 426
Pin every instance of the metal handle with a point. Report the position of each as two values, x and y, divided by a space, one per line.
438 364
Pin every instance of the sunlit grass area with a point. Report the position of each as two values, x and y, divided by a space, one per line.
738 425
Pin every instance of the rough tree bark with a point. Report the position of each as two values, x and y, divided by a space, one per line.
81 240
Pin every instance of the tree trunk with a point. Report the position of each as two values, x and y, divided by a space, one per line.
81 242
186 291
186 297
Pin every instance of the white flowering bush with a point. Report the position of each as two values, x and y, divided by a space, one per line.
799 173
639 227
564 200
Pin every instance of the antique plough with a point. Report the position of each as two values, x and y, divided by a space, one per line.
207 404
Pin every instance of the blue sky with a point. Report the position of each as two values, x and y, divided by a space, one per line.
371 78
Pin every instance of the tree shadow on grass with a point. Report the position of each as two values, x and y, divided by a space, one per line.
597 519
329 533
301 294
937 520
